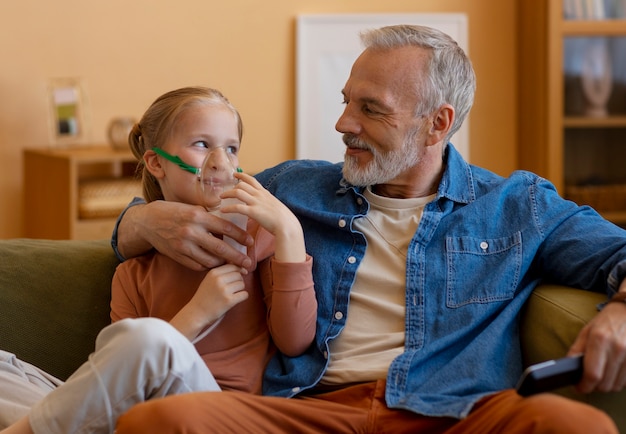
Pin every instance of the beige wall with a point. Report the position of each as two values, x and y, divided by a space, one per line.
129 52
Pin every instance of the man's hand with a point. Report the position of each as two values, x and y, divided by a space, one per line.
186 233
603 342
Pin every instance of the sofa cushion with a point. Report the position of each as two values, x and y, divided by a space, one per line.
54 299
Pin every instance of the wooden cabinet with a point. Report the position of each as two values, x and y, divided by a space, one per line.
582 151
54 180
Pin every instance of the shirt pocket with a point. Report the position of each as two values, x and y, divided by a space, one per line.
482 270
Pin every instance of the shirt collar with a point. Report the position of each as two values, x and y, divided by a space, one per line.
457 183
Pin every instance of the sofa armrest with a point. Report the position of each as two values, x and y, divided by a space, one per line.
54 299
550 322
552 319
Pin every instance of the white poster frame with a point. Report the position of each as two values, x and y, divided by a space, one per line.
327 46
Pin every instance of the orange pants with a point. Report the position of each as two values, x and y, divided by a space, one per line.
356 409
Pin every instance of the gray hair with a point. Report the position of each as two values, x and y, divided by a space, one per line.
449 76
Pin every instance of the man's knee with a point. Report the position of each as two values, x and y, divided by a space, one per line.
171 414
141 417
553 413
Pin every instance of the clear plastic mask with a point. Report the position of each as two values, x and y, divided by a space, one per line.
216 176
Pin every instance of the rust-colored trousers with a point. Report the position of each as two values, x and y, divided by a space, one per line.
356 409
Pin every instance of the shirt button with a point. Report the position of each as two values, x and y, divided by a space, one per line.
484 245
342 223
351 260
359 201
295 389
326 354
338 315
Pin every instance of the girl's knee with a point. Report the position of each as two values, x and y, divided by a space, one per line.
138 335
147 343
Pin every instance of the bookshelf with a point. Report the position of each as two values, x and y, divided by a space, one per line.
76 193
569 133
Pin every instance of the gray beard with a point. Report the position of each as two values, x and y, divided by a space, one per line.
384 167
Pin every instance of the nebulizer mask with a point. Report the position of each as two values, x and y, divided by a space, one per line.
217 175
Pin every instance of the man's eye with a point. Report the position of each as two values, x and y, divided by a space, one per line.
368 110
232 150
201 144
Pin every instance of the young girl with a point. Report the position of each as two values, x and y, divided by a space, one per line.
238 318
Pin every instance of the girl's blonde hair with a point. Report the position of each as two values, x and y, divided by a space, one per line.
157 123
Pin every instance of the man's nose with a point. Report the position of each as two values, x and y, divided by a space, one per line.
347 122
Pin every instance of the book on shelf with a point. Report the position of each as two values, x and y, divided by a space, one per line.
593 9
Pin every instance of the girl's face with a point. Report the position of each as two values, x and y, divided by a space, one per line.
201 132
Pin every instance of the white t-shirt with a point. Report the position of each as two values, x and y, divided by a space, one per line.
374 332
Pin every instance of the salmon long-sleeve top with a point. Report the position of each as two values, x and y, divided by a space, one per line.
280 312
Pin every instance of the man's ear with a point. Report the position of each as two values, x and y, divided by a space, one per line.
153 164
442 121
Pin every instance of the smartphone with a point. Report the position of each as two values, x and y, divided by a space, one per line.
550 375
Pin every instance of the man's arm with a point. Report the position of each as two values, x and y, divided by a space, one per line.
182 232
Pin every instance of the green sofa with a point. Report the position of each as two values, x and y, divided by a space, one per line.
54 299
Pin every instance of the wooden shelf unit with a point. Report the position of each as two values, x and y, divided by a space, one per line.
51 188
565 147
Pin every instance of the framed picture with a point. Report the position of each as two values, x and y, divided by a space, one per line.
67 111
327 46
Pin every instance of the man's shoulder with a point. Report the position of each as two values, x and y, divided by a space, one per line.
465 182
521 178
299 171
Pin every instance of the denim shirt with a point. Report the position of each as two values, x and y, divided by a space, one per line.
482 246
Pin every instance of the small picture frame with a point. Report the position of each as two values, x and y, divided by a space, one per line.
67 111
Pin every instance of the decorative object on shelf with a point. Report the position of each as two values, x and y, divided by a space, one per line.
118 131
597 77
68 124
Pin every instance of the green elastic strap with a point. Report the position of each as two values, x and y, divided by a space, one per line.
176 160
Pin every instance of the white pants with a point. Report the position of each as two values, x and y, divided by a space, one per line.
134 360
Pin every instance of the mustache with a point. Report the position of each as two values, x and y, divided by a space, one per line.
352 141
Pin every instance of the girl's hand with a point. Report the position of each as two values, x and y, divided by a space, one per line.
221 289
259 204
